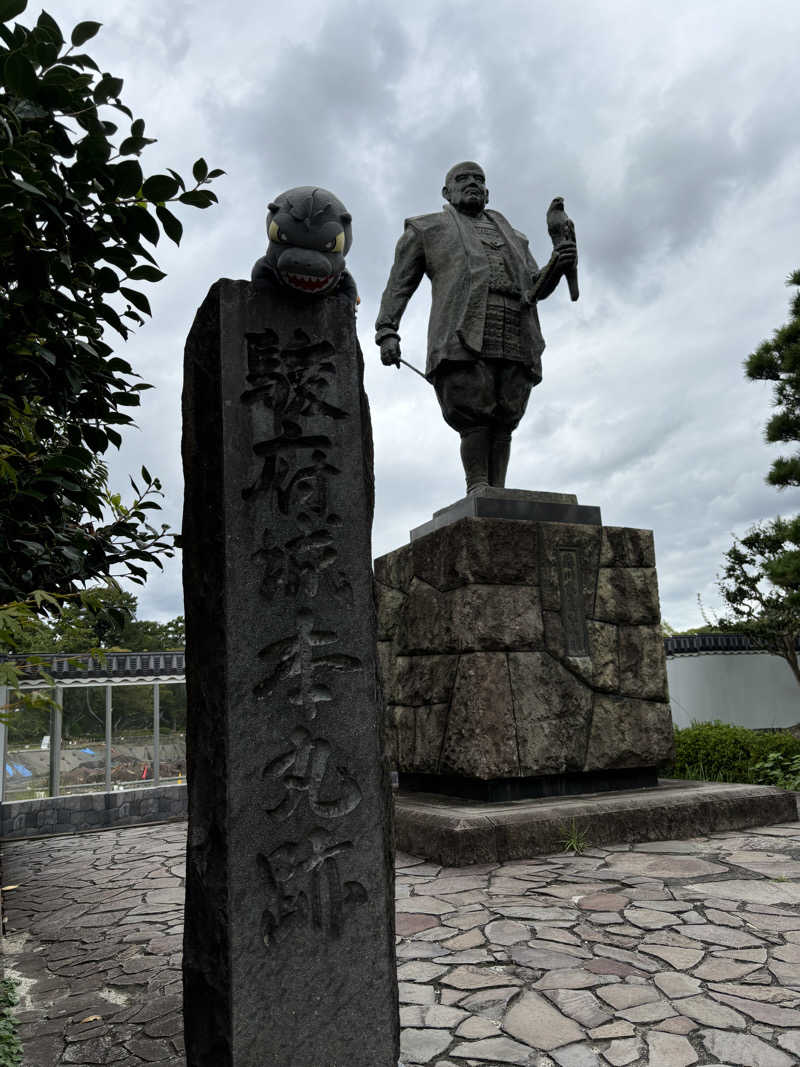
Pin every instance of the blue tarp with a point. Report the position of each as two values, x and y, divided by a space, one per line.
89 751
20 769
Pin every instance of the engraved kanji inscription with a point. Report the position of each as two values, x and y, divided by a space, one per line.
299 657
307 771
303 565
291 381
572 611
305 889
291 389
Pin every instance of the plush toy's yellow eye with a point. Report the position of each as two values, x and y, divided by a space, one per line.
337 245
275 234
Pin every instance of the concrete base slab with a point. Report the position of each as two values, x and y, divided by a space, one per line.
494 503
457 832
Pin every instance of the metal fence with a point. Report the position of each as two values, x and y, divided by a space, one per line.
68 672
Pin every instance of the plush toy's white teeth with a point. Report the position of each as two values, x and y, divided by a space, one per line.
309 283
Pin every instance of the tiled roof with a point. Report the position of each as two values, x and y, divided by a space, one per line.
111 665
699 644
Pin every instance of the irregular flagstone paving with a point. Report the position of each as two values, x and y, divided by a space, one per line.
665 954
94 932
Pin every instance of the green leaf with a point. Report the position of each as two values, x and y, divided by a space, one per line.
146 274
132 146
118 364
127 178
145 224
106 280
177 178
48 23
106 89
94 149
121 258
215 173
95 438
138 300
19 75
198 198
41 597
200 170
83 32
159 188
28 187
9 9
45 52
109 315
62 75
121 107
172 226
80 60
26 109
146 476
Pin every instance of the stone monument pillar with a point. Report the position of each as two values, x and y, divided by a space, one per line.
289 943
521 651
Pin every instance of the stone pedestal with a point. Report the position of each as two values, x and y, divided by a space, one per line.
289 944
523 657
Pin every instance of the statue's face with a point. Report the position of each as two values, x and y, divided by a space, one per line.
465 188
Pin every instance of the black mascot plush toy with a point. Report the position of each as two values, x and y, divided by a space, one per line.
309 235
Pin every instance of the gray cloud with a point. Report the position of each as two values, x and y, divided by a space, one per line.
671 137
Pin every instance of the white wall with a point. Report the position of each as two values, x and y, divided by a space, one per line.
752 689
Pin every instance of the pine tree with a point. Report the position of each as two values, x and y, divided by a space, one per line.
760 582
778 360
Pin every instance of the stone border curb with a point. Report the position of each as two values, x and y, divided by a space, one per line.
457 833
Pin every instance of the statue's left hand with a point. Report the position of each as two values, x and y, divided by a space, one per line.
566 256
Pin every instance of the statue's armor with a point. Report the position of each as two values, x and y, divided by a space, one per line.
500 279
501 330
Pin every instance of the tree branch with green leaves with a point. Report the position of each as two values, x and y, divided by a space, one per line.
79 219
79 224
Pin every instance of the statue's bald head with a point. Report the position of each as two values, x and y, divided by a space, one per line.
465 187
468 166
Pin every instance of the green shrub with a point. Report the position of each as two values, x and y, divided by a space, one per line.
10 1048
780 770
718 752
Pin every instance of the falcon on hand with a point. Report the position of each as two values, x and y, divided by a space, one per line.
562 233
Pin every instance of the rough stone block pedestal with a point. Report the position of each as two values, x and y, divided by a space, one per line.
523 657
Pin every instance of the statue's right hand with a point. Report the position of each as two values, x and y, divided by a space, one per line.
390 351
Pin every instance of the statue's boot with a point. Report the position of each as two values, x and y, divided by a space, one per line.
498 459
475 446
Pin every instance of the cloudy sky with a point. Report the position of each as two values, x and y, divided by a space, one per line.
671 129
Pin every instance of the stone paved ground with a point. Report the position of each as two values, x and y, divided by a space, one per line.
668 954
